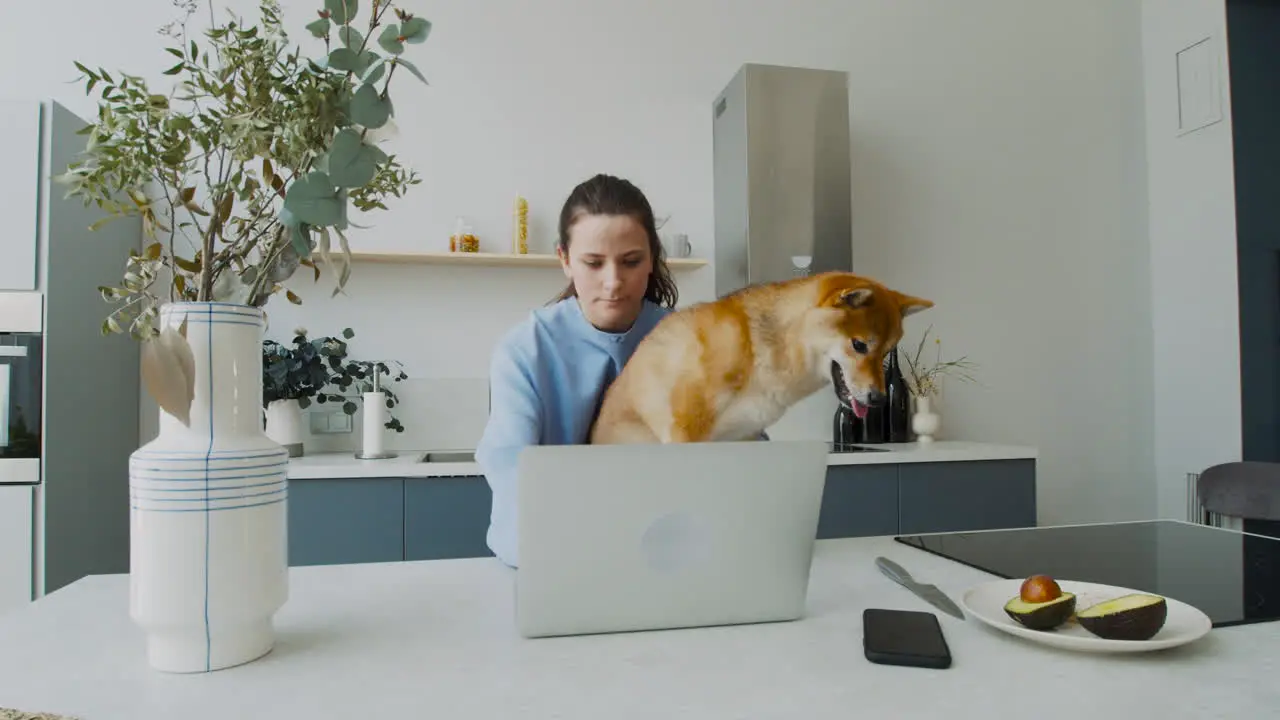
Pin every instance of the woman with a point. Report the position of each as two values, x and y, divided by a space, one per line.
549 372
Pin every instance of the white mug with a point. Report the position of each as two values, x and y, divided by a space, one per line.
678 245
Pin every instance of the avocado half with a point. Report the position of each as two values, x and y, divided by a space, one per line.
1131 617
1043 615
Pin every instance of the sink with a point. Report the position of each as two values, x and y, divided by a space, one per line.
466 456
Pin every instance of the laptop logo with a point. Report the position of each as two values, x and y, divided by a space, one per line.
676 542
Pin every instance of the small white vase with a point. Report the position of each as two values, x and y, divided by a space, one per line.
284 425
208 535
925 422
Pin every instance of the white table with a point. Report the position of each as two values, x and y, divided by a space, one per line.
436 640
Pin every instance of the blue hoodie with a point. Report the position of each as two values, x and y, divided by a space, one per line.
545 383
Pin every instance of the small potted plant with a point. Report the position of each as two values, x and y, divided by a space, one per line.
924 381
307 370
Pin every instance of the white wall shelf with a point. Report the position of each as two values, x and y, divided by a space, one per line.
490 259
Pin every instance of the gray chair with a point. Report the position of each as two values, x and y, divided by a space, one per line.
1249 490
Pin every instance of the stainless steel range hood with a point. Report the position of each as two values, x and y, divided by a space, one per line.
781 174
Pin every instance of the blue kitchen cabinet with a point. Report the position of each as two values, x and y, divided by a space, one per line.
354 520
969 495
858 501
446 517
346 520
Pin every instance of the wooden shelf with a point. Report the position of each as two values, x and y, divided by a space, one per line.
489 259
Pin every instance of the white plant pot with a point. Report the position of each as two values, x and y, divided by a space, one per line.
284 425
925 422
208 533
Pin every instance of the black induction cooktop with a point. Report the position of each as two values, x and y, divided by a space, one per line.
1232 577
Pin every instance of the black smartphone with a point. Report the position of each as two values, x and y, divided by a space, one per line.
904 637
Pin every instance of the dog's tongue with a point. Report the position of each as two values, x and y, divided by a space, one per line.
859 409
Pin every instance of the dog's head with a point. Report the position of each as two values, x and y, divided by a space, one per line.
861 322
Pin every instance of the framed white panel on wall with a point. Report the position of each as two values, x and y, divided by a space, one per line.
1199 86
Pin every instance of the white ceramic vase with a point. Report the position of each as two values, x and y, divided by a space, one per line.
208 533
284 425
925 422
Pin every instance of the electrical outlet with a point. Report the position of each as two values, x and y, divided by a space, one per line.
330 422
339 422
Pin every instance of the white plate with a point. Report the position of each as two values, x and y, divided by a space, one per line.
985 602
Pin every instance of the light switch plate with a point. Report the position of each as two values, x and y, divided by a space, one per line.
329 422
1199 92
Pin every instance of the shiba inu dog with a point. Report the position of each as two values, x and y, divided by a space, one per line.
729 368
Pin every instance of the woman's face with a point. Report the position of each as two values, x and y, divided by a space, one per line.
609 264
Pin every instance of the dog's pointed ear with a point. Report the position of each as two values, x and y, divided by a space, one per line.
911 305
856 297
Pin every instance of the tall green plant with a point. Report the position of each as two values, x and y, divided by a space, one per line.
246 169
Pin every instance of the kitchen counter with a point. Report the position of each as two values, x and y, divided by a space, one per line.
437 639
409 463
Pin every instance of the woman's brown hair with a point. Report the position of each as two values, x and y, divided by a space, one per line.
609 195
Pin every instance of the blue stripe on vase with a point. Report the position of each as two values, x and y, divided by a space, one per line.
233 468
193 487
206 511
212 322
216 455
196 315
207 501
204 484
207 308
209 315
196 489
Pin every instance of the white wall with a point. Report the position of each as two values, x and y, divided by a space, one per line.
998 169
1193 254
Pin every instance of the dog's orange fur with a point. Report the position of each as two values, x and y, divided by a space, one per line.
729 368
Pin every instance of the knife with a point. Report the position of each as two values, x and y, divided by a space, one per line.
929 593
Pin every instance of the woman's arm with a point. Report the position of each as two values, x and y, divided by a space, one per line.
515 422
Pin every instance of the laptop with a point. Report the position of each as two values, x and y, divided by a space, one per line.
618 538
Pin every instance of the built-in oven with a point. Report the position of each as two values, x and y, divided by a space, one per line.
21 387
21 424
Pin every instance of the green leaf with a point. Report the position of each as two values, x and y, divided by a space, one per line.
350 37
287 218
351 162
390 39
313 200
298 239
342 11
319 27
345 199
322 246
411 68
415 30
345 273
368 108
375 67
344 59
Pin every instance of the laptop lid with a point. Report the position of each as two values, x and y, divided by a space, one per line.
632 537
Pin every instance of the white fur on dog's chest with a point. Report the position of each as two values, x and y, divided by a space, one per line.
745 417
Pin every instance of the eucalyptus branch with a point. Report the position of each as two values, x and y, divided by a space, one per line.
244 97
